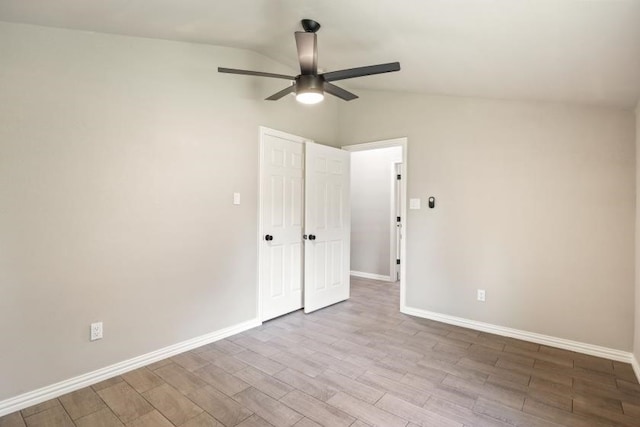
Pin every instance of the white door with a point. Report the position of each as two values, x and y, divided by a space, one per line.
282 216
327 226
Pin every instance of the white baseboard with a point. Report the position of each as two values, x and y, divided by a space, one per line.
579 347
58 389
635 366
371 276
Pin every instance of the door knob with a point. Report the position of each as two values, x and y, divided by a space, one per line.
268 237
312 237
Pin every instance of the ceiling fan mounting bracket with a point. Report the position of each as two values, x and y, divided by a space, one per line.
310 26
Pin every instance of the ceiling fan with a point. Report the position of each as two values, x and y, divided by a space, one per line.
309 86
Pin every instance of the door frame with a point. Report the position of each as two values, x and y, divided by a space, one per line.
263 130
396 142
395 229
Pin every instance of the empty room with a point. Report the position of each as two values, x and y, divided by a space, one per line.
358 213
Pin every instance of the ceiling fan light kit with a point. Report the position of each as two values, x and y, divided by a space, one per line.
309 86
309 89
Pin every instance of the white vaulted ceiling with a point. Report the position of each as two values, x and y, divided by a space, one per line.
577 51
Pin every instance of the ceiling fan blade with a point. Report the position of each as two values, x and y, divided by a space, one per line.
339 92
254 73
307 52
282 93
361 71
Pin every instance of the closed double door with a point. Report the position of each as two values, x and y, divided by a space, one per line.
304 224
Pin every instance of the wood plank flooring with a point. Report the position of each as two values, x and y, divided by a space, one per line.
358 363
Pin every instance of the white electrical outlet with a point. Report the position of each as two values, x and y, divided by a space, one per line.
481 295
96 331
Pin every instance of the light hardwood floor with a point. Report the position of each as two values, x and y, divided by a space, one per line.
357 363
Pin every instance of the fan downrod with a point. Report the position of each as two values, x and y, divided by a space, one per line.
310 26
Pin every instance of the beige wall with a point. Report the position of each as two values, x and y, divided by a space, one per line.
535 204
118 160
371 209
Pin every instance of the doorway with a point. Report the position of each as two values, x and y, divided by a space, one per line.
387 232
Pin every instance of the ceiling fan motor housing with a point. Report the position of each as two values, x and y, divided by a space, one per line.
306 83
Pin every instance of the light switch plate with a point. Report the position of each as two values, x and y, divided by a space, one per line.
414 204
236 198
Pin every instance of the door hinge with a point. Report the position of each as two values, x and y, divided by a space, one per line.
399 176
398 261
